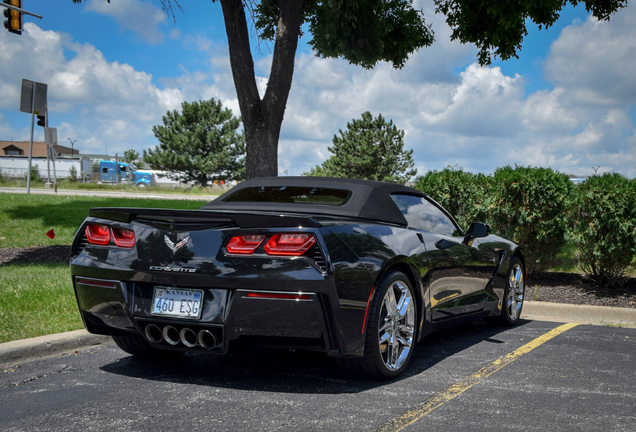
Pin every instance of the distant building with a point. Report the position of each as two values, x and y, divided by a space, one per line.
21 148
576 179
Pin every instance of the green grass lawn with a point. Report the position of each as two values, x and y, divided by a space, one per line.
25 219
123 187
38 299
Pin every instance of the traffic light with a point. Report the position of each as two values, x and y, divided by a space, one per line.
13 18
41 120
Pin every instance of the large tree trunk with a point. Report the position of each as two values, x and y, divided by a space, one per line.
261 145
262 118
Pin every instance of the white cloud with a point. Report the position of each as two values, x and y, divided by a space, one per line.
140 17
114 104
596 60
484 103
544 111
441 118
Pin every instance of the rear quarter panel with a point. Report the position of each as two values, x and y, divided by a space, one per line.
360 254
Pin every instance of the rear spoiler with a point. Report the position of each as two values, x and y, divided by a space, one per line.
200 219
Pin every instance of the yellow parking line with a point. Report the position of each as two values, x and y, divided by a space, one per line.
416 413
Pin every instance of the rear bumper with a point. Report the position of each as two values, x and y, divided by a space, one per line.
295 318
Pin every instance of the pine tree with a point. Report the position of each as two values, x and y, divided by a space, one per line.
131 156
369 149
200 144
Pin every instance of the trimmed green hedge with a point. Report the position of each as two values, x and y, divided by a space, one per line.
542 210
462 193
603 226
529 205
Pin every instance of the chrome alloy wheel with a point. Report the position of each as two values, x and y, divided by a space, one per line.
516 285
396 325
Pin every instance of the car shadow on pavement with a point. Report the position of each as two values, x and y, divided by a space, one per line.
296 371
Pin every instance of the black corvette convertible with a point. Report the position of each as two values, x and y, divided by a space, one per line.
361 270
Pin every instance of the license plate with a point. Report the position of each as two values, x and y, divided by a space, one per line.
177 302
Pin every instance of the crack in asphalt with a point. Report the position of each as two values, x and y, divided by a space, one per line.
35 378
62 369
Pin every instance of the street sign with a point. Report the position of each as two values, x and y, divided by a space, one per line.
50 136
33 101
33 97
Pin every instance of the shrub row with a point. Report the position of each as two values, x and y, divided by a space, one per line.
542 210
603 226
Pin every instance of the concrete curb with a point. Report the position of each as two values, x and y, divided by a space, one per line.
597 315
45 346
20 351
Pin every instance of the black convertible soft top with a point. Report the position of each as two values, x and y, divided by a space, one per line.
363 199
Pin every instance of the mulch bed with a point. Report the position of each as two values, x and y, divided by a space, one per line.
554 287
572 288
35 254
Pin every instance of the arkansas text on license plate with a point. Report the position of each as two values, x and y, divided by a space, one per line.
177 302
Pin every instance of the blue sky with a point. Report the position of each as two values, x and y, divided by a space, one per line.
113 70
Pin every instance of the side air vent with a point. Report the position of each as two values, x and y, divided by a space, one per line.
319 259
80 245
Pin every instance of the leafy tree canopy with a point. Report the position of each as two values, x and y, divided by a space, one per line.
199 144
497 28
131 156
363 32
370 148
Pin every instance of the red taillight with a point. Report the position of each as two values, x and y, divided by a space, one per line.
97 234
123 237
101 235
289 244
244 244
292 244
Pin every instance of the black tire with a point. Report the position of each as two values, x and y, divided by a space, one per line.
390 334
139 347
512 302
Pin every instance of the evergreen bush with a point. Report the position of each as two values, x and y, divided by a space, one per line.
603 227
463 194
35 173
72 174
529 205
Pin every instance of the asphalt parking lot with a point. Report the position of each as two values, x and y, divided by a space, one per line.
537 376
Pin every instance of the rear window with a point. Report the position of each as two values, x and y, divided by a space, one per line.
291 194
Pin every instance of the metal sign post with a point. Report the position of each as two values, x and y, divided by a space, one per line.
50 136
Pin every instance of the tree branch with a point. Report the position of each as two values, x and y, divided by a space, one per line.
241 58
286 44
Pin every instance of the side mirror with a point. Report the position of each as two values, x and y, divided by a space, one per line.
476 230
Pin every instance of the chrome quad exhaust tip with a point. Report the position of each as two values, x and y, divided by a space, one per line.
171 335
207 339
